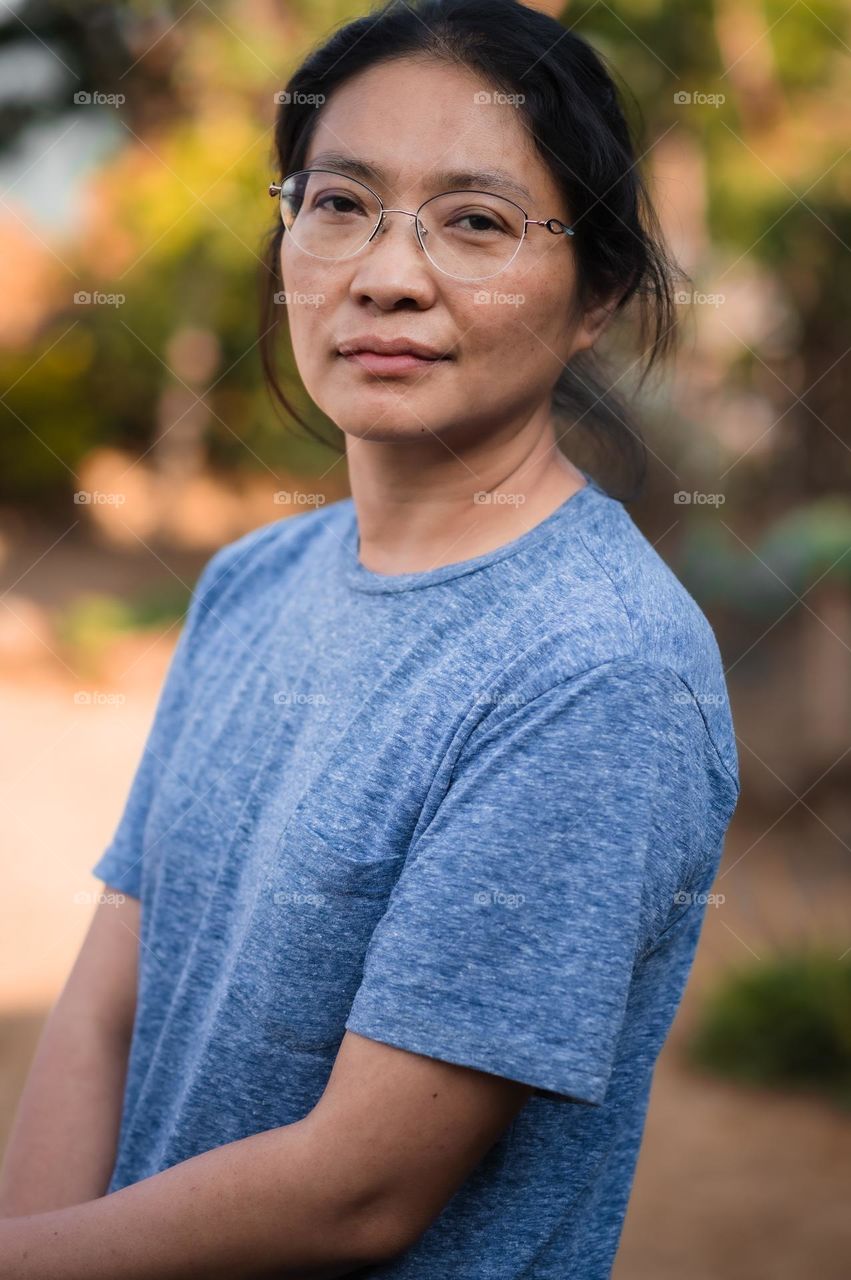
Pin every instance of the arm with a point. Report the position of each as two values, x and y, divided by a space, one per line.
355 1182
62 1145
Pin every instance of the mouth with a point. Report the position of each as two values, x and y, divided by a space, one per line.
389 356
403 362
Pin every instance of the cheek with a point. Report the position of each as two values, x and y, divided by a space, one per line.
308 307
547 321
310 337
299 271
508 330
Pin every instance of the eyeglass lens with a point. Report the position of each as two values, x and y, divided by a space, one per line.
468 234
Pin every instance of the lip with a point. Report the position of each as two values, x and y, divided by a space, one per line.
377 362
390 356
372 344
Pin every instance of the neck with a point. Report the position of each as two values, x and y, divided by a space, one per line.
422 506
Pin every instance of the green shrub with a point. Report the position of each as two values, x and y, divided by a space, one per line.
94 618
783 1023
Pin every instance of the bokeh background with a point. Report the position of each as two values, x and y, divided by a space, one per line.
136 437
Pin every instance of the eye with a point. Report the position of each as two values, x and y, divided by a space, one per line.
477 223
483 222
337 202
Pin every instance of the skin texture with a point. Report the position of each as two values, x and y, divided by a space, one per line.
395 1134
418 448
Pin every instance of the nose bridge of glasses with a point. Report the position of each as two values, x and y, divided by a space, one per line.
381 225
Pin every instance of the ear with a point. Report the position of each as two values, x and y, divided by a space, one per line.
593 324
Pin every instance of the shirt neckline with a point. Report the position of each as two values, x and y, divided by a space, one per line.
359 578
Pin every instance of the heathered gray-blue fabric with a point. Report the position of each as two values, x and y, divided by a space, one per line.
472 812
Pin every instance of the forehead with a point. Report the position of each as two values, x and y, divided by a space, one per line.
448 127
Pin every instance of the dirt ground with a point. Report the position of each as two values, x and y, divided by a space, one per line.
732 1183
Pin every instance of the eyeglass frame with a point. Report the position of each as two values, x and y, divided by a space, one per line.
560 228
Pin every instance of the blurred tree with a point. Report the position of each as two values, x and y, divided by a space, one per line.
170 241
742 121
760 88
88 46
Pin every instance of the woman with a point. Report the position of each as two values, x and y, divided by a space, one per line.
419 845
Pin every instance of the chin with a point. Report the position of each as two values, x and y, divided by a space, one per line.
399 427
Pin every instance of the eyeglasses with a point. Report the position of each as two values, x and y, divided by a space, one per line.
470 235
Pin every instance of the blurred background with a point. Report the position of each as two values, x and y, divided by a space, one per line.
136 438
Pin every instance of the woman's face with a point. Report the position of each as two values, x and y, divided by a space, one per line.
411 119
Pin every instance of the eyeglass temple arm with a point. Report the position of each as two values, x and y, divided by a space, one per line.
552 224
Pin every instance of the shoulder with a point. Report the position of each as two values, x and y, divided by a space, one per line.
622 697
621 618
627 736
240 566
248 573
667 626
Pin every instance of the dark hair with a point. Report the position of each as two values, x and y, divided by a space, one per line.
574 113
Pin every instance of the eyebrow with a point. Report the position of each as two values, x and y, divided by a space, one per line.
446 179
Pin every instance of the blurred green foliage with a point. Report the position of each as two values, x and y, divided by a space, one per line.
96 612
181 210
809 544
785 1022
88 625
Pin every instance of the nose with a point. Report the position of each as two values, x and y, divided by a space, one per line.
387 272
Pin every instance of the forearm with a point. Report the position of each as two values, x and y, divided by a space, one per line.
62 1145
267 1205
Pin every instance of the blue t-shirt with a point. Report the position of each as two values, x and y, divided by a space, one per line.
473 812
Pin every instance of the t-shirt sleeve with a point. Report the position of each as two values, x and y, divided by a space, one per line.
509 940
120 864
